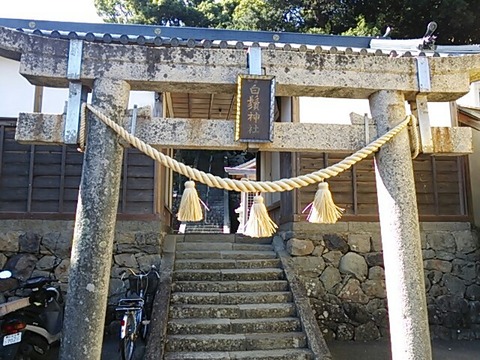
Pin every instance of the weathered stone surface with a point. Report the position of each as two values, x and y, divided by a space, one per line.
330 277
367 332
464 270
374 259
376 304
436 290
359 242
146 261
354 264
313 286
21 265
473 292
466 241
428 254
353 292
357 312
308 265
441 241
126 260
435 276
125 238
335 242
59 243
150 238
47 262
3 261
454 285
297 247
345 332
376 242
318 251
333 257
9 241
62 270
29 242
375 288
376 273
439 265
444 255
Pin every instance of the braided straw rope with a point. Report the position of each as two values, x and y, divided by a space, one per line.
251 186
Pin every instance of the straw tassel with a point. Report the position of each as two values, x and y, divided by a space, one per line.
323 210
190 206
259 223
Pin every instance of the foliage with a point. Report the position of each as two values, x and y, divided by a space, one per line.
457 20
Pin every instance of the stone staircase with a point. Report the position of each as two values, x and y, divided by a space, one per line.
230 300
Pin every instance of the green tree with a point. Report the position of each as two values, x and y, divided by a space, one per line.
457 19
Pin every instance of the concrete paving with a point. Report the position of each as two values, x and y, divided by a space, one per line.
380 350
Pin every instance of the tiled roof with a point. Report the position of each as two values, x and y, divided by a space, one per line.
149 35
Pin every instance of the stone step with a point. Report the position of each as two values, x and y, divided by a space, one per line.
278 354
219 246
241 311
230 286
226 254
230 298
229 274
235 342
226 264
230 326
231 238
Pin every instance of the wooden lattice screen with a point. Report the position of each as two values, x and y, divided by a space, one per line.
45 178
440 181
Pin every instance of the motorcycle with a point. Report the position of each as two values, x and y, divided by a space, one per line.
31 326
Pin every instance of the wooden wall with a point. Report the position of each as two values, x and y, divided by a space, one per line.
38 179
440 182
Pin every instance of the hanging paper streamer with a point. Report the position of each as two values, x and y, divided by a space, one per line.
259 223
190 208
323 210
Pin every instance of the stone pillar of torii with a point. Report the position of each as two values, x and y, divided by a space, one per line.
111 70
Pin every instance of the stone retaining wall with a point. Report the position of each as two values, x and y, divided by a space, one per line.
36 247
342 269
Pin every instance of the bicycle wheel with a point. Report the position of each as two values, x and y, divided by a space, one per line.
127 345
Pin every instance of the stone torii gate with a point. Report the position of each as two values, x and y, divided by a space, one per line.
111 70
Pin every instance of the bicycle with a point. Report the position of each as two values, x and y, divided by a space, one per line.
136 309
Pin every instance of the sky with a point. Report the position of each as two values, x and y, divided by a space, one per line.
59 10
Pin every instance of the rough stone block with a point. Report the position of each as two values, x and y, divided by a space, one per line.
473 292
308 265
126 260
21 265
464 270
333 257
375 288
352 292
146 261
364 227
466 241
454 285
47 262
359 242
59 243
297 247
29 242
367 332
335 242
376 242
354 264
330 277
124 237
428 254
9 241
318 251
374 259
62 270
439 265
441 241
376 273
